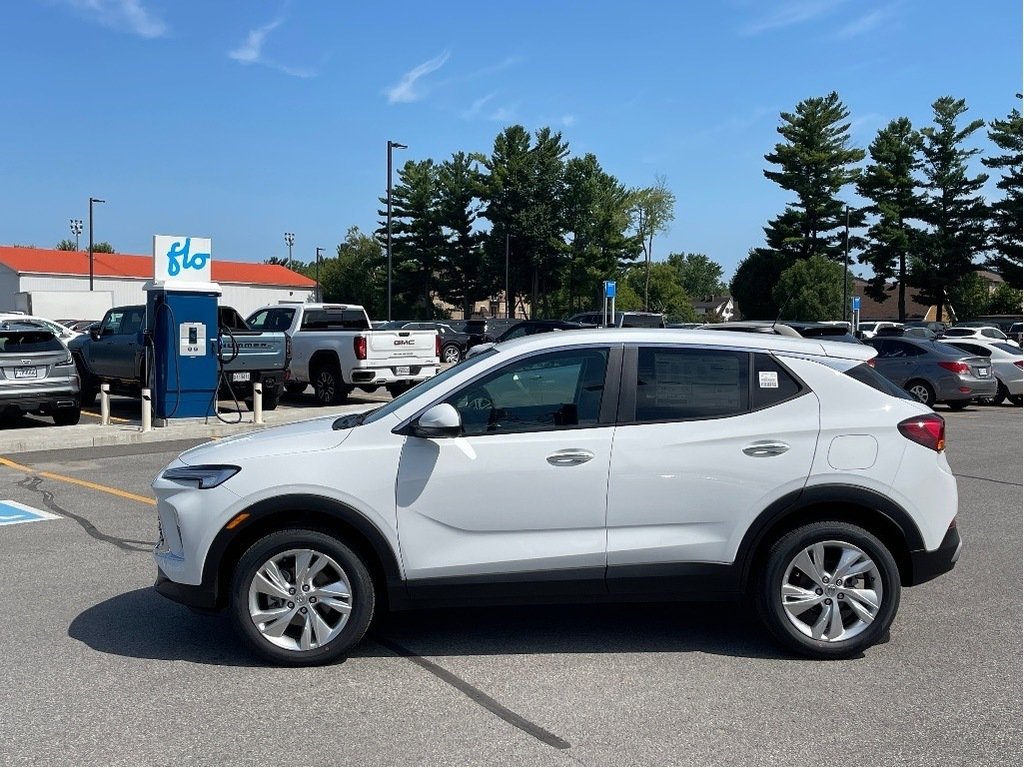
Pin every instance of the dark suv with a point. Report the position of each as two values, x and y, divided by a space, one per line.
37 374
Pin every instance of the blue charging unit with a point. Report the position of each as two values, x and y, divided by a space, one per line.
182 334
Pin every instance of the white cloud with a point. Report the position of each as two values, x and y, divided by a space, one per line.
126 15
790 13
251 52
405 89
865 23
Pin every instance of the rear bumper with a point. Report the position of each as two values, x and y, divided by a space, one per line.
44 401
927 564
383 376
273 382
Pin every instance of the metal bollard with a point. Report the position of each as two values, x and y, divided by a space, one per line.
105 404
257 402
147 411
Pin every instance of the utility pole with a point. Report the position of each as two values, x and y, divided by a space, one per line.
76 230
91 201
392 145
289 240
846 265
319 251
508 296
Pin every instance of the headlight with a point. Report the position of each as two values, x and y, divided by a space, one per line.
204 476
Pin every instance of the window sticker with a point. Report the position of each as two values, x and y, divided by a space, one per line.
768 379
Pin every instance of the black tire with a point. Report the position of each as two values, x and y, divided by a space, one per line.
328 385
958 405
90 388
794 630
270 400
397 389
922 390
343 567
67 417
450 353
295 388
1000 396
1015 400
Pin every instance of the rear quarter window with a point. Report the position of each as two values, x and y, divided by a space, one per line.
772 383
868 376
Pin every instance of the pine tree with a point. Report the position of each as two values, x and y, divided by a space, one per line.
889 183
953 208
1005 214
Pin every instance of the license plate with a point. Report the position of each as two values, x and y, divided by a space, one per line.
26 373
241 376
402 370
983 371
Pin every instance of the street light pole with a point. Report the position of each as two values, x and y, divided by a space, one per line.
846 265
91 201
507 297
289 240
319 251
392 145
76 230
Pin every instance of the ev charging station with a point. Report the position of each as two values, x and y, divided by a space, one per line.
182 329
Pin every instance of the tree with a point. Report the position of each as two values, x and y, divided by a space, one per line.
281 261
969 297
358 275
665 292
953 207
815 162
103 247
1005 213
751 286
66 245
699 276
890 185
653 209
811 289
467 274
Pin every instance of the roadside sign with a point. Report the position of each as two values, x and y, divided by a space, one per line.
12 512
609 289
856 303
181 259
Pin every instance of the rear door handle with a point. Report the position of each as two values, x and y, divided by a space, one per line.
766 448
570 457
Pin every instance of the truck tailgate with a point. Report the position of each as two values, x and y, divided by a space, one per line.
391 346
266 351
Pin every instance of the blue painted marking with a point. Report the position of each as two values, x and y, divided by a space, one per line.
12 512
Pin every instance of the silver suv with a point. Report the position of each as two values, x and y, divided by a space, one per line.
37 374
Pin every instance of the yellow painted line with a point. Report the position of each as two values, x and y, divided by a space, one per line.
112 418
75 481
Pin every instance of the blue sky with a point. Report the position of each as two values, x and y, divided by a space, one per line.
243 120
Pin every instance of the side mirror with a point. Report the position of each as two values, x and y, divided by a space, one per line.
94 334
442 420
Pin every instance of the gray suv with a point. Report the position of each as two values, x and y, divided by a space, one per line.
37 374
934 372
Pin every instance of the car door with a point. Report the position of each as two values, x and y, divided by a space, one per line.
896 359
708 438
519 498
105 352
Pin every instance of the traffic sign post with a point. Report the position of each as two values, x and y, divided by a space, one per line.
609 293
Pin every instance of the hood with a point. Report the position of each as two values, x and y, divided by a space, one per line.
308 436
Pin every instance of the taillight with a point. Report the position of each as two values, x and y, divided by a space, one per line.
928 430
1019 363
437 345
871 362
955 367
359 345
287 350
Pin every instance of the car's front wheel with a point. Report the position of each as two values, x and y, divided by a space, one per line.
829 590
301 597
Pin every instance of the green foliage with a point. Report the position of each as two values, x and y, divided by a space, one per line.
890 185
358 275
953 208
969 297
664 291
699 276
103 247
811 289
1005 214
1004 300
66 245
652 210
752 284
466 273
815 162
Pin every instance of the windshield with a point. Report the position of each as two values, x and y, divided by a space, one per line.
426 386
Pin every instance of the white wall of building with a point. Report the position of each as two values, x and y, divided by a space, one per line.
127 290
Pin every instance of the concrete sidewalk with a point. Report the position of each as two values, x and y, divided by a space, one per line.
25 436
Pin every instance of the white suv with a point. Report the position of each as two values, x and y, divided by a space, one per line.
623 465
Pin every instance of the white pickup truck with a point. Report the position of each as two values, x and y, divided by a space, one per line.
335 350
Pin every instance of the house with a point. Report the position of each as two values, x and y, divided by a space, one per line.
245 285
720 306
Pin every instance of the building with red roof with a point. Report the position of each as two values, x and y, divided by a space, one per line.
245 285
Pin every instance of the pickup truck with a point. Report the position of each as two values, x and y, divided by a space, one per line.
116 353
335 350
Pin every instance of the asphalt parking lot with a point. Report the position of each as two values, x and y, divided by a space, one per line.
99 669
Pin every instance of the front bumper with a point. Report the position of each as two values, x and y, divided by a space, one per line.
927 564
201 596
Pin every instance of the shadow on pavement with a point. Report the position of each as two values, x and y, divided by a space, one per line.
173 632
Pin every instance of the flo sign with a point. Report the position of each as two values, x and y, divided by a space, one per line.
181 259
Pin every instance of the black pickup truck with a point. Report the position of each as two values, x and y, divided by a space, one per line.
116 353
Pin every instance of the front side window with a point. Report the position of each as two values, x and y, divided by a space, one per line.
112 322
273 319
680 384
556 390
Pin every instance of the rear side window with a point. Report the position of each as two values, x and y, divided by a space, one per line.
680 384
865 374
772 383
23 342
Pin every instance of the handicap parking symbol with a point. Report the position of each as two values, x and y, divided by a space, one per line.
12 513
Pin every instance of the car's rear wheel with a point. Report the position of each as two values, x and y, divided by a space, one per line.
328 386
958 405
1000 396
295 388
450 353
301 597
922 390
67 417
829 590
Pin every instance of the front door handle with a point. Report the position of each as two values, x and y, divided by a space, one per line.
766 448
570 457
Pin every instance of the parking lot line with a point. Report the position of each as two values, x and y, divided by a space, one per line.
112 418
76 481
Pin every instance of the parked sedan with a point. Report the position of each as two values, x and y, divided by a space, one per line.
1007 362
37 374
453 343
934 372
